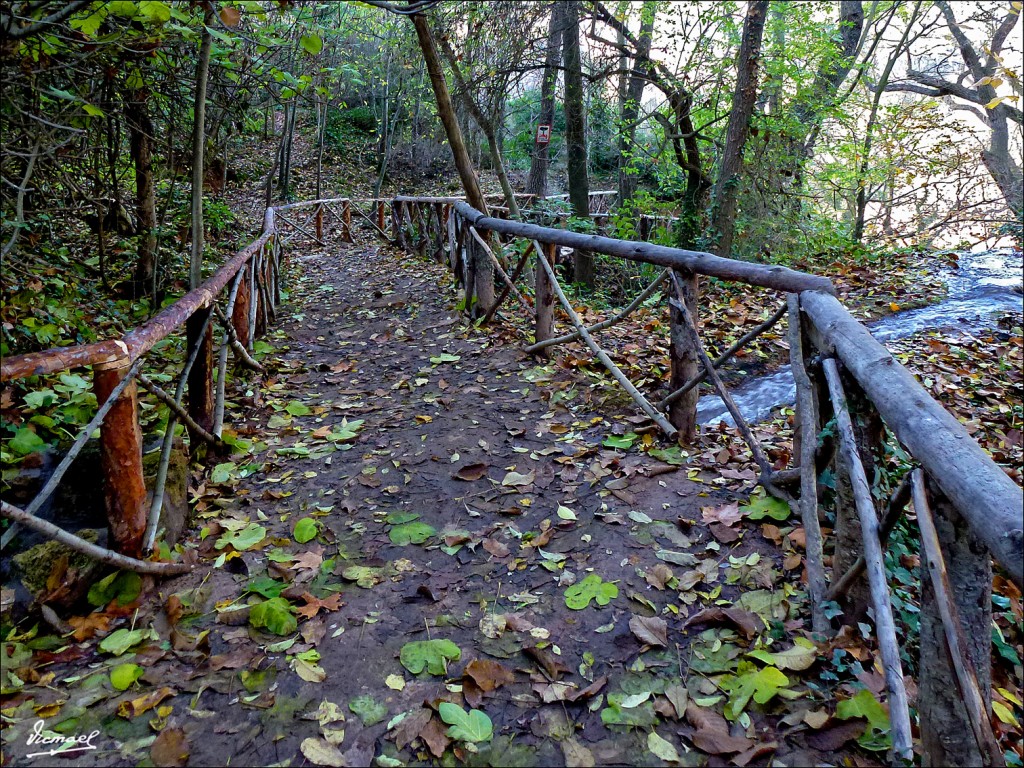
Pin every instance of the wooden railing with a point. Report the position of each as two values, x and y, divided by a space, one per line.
968 510
242 297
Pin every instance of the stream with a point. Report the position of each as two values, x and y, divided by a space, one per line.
981 286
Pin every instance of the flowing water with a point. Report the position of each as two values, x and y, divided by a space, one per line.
981 286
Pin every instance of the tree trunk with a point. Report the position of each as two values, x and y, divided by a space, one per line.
140 130
576 134
537 181
631 103
723 214
483 287
487 128
195 272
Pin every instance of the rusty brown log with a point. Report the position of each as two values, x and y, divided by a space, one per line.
543 296
124 492
320 222
380 217
199 332
346 221
684 354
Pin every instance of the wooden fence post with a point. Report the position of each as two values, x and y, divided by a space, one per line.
320 221
380 215
240 312
346 220
121 462
200 378
946 732
849 546
544 298
683 358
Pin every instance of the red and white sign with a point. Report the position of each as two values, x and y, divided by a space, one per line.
543 134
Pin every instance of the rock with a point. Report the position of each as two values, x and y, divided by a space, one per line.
56 574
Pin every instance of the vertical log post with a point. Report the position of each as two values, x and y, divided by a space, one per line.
946 730
124 491
380 214
483 278
439 232
200 377
346 221
849 547
683 358
240 311
320 221
396 224
544 297
254 300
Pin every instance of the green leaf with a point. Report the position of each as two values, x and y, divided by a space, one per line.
641 715
93 111
444 357
765 506
348 430
243 539
798 658
311 44
123 676
616 441
124 585
662 748
222 472
411 533
864 705
274 615
156 11
266 586
295 408
578 596
431 655
397 518
474 726
124 8
750 682
305 530
363 575
119 641
25 441
368 709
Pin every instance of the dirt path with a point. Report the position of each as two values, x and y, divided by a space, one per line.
454 497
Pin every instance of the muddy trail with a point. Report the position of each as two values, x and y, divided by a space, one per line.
433 549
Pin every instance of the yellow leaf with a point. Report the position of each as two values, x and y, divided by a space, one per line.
894 306
1004 714
1005 693
995 102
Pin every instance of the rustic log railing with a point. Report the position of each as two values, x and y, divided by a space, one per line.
249 286
971 512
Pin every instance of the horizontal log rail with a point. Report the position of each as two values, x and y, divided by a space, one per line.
250 282
843 377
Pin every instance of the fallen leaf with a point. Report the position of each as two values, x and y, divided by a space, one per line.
134 707
314 604
748 623
659 576
471 472
488 675
319 752
652 631
728 514
712 732
170 749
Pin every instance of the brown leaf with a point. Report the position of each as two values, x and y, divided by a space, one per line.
231 17
591 690
88 626
170 749
471 472
772 533
314 604
496 548
548 662
135 707
435 736
650 630
659 576
712 732
576 755
409 729
748 623
311 558
832 737
724 533
313 631
758 750
488 675
173 608
727 514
